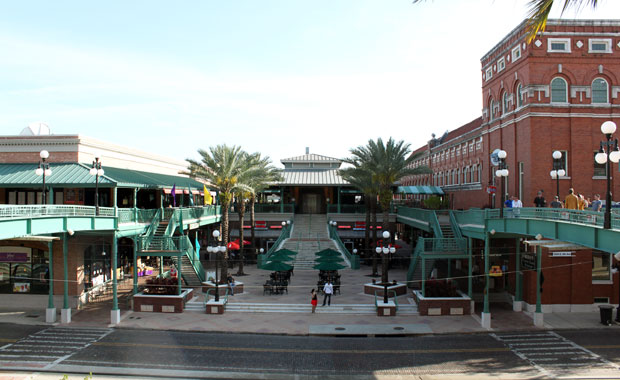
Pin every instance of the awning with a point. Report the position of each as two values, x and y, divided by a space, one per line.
420 190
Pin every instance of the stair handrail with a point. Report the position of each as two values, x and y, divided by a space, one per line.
354 260
150 231
194 259
389 291
225 296
434 223
455 226
285 234
413 263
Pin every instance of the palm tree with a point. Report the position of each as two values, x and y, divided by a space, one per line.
361 179
539 13
387 164
223 166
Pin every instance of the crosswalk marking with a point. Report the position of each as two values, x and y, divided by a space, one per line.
552 354
48 347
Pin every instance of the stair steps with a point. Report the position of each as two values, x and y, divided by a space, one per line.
188 273
406 309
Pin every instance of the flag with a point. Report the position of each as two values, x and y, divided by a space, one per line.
174 195
191 196
208 198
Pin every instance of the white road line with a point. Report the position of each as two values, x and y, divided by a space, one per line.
28 356
538 344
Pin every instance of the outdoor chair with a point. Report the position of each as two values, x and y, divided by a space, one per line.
267 288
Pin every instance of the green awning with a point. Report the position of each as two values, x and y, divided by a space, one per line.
420 190
63 175
135 178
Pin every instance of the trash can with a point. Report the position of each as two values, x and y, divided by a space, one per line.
606 314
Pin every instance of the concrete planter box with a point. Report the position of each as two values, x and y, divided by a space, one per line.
160 303
221 289
400 289
386 309
443 305
215 307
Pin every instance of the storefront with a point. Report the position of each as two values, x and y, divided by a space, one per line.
23 270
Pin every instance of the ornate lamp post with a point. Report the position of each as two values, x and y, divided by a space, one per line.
216 248
386 249
43 170
97 171
607 156
558 170
502 172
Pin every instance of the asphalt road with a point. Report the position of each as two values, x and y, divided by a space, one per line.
208 355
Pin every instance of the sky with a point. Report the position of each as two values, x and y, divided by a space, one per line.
272 76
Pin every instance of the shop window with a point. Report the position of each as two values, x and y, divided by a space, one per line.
601 266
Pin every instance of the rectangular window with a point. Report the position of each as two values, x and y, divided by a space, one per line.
516 53
601 266
558 45
501 64
600 170
489 73
598 45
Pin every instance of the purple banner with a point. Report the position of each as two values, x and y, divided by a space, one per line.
13 257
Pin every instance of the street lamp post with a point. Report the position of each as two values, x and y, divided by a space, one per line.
502 173
386 249
97 171
558 170
43 170
216 248
608 152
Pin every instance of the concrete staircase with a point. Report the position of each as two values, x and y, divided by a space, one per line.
406 309
188 272
309 236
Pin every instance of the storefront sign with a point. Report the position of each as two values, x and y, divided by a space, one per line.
528 261
14 257
562 254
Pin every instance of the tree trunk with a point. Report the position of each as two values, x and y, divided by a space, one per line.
253 240
367 229
241 245
373 206
224 257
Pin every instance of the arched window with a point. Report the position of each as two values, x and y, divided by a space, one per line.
465 175
519 96
455 176
447 178
491 108
473 174
558 90
479 173
504 103
600 91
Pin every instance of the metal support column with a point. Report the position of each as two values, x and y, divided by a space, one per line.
50 313
486 314
179 274
281 200
538 315
470 264
115 313
135 265
423 274
338 189
65 316
517 304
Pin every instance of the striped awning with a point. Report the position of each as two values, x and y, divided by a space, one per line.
420 190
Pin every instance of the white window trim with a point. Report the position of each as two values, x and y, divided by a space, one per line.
592 91
489 73
606 41
551 91
516 49
556 40
501 64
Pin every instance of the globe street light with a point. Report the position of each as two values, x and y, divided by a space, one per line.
43 170
558 170
607 156
502 173
97 171
216 248
386 249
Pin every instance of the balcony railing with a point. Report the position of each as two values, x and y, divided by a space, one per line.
13 211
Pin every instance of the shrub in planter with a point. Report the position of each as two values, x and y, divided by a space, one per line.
166 286
440 288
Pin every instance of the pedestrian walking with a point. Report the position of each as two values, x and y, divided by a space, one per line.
556 203
597 204
328 289
571 202
540 201
315 300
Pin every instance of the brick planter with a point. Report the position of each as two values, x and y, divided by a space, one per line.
162 303
442 305
221 289
400 289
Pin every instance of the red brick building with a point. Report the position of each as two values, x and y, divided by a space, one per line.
551 94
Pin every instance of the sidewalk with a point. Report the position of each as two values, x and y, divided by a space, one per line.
502 316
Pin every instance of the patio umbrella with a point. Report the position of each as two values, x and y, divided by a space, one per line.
328 252
277 266
330 259
329 266
235 245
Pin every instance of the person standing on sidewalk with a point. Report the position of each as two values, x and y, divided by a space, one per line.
315 300
328 289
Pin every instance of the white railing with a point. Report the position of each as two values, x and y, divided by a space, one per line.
13 211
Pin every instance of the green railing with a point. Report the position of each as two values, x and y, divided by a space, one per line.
436 247
132 215
13 211
346 209
208 294
455 226
353 259
272 208
591 218
285 234
198 212
194 259
150 231
472 217
434 224
162 243
413 263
